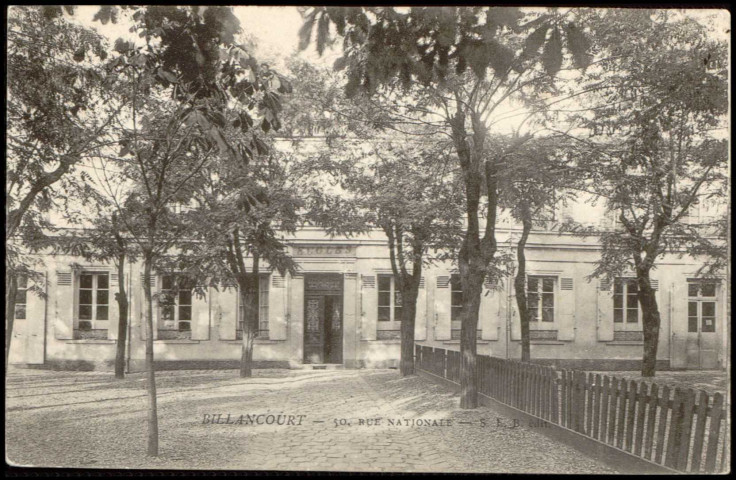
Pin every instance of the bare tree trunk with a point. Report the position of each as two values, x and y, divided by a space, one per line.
249 289
246 351
472 289
122 300
11 290
408 320
520 287
650 323
150 369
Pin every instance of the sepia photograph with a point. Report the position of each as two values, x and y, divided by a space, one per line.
367 239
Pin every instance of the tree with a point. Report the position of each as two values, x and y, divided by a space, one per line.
654 144
402 184
179 89
409 191
57 115
459 66
239 211
537 182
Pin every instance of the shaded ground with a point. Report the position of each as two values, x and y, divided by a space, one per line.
87 419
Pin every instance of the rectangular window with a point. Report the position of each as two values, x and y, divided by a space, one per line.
626 315
93 300
701 307
263 288
541 298
389 303
21 298
175 303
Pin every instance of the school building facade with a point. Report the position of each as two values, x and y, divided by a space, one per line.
343 308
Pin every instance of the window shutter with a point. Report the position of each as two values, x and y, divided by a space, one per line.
64 308
227 311
442 302
35 320
515 320
420 321
201 314
490 311
155 309
153 282
113 309
369 307
277 308
679 323
566 309
605 311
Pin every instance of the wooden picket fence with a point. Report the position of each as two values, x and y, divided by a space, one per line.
679 428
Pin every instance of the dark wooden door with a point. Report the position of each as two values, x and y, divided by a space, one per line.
333 329
314 319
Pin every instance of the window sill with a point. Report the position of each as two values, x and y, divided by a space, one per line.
624 342
457 342
257 341
176 340
389 341
92 341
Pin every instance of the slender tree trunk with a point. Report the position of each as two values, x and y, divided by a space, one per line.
472 289
122 300
150 369
520 287
249 296
11 290
650 323
246 350
408 320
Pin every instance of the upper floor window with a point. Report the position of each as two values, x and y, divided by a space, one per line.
175 303
93 300
389 301
541 298
21 298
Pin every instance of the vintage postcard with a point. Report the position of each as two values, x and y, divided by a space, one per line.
368 239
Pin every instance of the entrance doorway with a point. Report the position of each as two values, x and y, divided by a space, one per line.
323 314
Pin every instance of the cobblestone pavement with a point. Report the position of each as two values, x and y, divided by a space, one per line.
90 420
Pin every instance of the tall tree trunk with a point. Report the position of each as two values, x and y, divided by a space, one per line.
472 288
150 369
122 300
11 290
249 289
408 319
650 323
520 287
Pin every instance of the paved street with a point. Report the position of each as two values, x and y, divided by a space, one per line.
348 420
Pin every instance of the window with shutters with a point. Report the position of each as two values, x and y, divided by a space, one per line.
21 297
93 305
701 306
263 288
389 307
626 312
540 297
456 307
175 307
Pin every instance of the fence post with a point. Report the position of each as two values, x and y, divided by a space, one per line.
673 442
715 427
702 412
630 416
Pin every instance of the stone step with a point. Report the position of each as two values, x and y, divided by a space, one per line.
323 366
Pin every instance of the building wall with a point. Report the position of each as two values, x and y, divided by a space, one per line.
581 335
